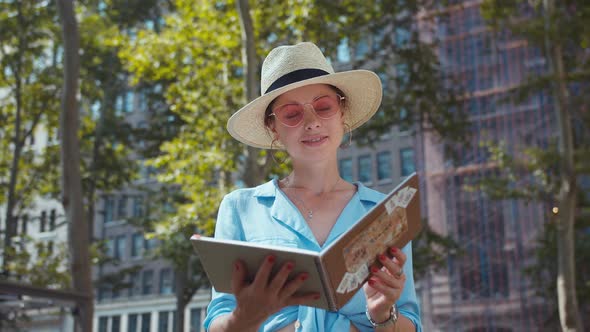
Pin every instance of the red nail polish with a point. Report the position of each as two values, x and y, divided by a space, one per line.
304 276
371 282
374 269
393 250
289 266
271 259
382 258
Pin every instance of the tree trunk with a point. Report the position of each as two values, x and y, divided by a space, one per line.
71 178
10 230
253 171
181 298
567 197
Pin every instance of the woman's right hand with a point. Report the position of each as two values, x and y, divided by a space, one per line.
260 298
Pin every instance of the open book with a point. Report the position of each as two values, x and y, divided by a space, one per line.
340 269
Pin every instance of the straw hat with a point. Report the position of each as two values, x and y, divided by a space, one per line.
292 66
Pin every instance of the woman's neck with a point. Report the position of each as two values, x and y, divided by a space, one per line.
318 178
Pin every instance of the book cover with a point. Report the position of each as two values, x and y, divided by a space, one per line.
339 270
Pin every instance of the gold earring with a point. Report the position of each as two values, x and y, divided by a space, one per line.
347 144
272 154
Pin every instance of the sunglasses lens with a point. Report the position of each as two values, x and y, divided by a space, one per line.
326 106
290 114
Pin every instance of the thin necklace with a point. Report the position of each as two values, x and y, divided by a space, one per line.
309 211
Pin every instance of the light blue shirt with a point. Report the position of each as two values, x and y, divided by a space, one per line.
264 214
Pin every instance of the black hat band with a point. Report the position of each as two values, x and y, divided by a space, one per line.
295 76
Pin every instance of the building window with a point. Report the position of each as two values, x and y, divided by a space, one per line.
343 51
148 282
43 222
138 206
362 48
103 324
116 324
119 105
365 167
52 218
109 209
145 322
195 317
24 221
111 247
404 121
129 101
122 207
116 293
402 37
402 73
137 245
345 166
407 161
166 281
120 246
384 165
135 287
150 244
164 321
132 323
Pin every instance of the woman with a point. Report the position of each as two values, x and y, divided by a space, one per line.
306 109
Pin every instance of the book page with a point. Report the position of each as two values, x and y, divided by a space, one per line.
392 222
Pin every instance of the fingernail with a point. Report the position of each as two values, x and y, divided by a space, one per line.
382 258
271 259
316 297
237 267
289 266
393 250
372 282
374 269
304 276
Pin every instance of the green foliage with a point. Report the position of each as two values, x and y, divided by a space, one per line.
552 174
30 82
42 264
532 175
431 250
543 274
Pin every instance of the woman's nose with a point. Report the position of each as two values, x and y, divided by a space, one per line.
310 118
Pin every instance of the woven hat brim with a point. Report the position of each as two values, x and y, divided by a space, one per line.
363 93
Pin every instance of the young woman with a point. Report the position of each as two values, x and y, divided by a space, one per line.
306 109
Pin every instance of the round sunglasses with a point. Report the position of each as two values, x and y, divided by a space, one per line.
291 114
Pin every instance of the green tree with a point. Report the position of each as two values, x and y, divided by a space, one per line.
29 87
559 30
31 83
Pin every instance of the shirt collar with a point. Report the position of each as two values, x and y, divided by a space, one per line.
269 189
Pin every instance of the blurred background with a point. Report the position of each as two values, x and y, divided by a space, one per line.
486 100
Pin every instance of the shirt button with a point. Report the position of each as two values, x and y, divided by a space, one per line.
297 324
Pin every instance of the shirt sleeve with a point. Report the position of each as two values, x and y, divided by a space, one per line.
408 303
228 226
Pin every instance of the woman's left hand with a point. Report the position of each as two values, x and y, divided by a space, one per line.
385 285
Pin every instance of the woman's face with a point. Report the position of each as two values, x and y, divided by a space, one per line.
315 133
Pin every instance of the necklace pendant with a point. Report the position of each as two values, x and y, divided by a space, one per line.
310 214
